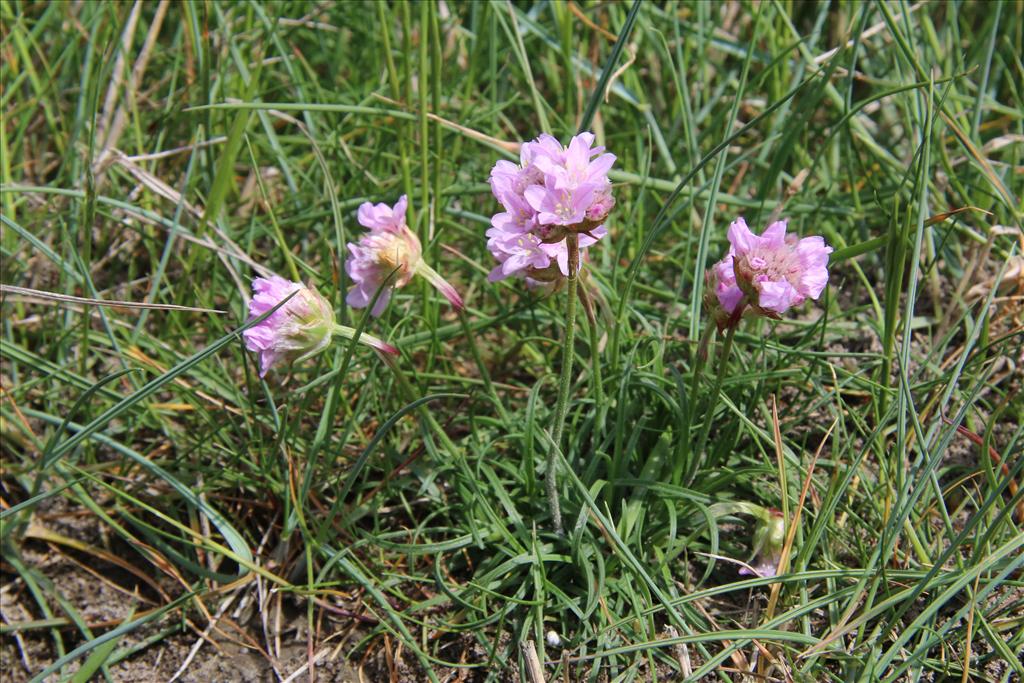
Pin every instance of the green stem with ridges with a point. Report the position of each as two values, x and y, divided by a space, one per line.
564 381
423 85
682 457
384 17
705 429
595 358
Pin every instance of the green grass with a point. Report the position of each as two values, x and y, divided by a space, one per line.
170 155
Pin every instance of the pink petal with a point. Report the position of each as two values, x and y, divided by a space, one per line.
740 237
382 302
813 282
535 195
401 210
774 236
729 296
601 165
778 296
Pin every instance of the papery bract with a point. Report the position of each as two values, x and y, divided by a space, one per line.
769 539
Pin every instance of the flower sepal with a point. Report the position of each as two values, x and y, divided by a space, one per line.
768 540
440 284
556 233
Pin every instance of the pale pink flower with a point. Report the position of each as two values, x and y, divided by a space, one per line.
299 329
580 164
518 217
554 190
559 206
387 258
517 253
778 271
544 147
770 273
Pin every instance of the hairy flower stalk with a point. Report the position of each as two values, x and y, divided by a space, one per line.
297 330
555 202
387 258
564 384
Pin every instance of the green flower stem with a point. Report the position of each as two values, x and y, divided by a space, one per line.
682 458
564 381
713 398
595 357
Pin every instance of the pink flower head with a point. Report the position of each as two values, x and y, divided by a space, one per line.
554 190
777 270
299 329
772 271
388 257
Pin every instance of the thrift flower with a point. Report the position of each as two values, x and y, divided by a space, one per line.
771 272
388 256
299 329
553 191
769 537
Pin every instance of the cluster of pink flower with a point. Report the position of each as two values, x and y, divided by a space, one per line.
765 274
553 192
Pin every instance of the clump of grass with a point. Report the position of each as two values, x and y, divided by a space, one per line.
394 514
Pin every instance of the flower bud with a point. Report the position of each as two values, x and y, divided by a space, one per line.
602 205
769 538
723 300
